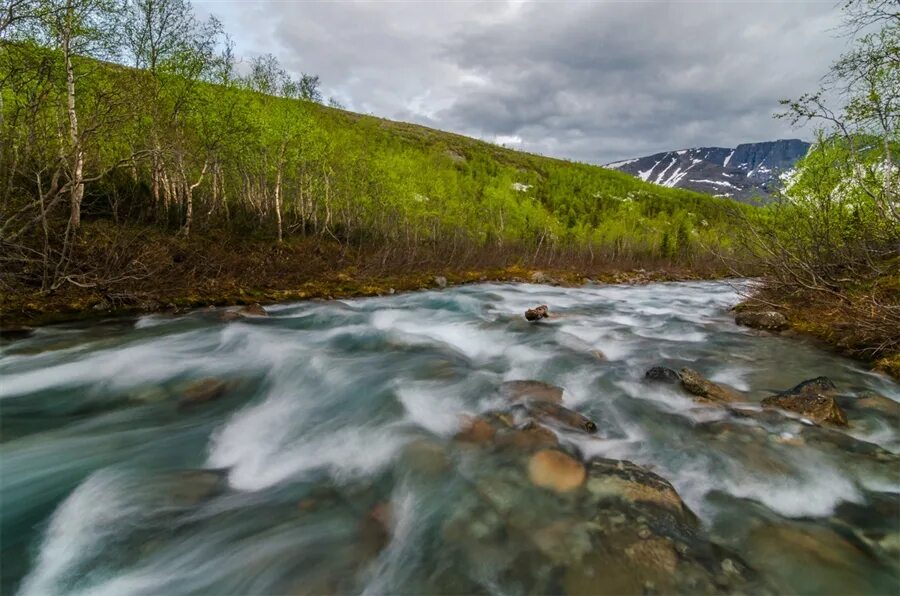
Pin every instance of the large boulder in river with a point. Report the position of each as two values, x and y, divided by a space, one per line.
818 408
813 399
567 526
698 385
767 320
630 482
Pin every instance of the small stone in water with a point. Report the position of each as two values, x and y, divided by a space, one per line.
254 310
537 313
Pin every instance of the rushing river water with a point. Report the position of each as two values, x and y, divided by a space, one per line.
327 463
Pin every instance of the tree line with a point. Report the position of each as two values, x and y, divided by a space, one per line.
137 111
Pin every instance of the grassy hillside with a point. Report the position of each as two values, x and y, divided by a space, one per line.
245 164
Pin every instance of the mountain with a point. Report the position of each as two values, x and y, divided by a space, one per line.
746 172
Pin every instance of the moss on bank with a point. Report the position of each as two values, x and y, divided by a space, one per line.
858 322
137 270
19 310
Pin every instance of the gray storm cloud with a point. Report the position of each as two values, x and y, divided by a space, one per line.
594 82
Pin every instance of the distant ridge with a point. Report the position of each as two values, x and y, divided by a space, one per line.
749 171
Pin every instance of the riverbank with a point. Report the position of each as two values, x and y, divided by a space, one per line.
860 323
145 271
35 310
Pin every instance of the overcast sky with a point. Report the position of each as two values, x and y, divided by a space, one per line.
592 81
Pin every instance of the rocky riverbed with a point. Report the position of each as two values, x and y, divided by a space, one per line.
630 440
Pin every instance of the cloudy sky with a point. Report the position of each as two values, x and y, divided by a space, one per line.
592 81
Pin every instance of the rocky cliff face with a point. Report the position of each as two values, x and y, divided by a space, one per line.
744 173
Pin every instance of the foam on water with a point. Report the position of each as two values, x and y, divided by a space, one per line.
334 391
433 406
90 516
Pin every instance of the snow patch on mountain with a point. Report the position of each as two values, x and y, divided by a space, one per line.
750 170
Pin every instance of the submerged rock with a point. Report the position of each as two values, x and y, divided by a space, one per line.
202 391
766 320
570 527
249 310
662 374
698 385
192 487
555 413
555 470
787 550
530 437
374 531
478 431
876 523
254 310
878 403
537 313
426 457
12 332
531 390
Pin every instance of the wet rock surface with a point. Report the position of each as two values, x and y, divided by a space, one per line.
531 390
254 310
661 374
699 386
537 313
598 527
202 391
765 320
555 470
246 311
813 399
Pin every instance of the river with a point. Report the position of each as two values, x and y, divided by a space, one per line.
327 462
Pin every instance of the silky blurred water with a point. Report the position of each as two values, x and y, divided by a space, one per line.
103 490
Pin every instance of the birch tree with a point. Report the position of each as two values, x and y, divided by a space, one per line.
77 28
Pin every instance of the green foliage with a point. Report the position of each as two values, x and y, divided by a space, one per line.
263 157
